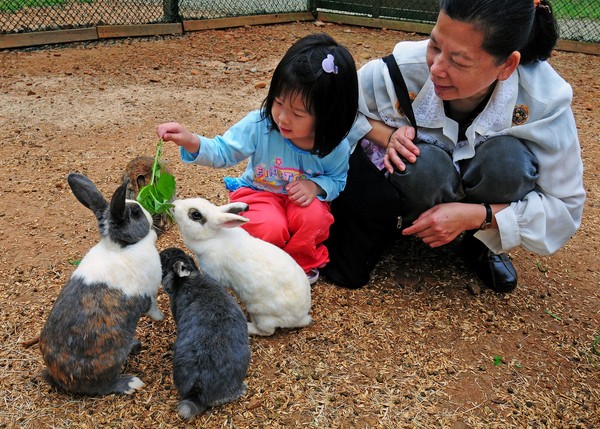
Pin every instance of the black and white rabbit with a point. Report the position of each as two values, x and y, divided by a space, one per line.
90 330
269 283
212 352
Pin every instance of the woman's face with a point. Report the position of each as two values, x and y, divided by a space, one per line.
458 66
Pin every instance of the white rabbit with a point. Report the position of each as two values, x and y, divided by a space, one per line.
90 330
271 285
212 352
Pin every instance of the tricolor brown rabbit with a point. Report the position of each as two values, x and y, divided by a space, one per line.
90 330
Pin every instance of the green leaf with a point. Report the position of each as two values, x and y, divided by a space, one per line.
155 197
165 185
540 268
497 360
594 344
554 316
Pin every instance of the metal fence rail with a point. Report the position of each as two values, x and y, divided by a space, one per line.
578 20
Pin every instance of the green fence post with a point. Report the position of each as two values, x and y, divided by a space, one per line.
171 10
376 9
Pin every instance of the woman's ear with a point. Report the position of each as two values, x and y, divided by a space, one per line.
509 66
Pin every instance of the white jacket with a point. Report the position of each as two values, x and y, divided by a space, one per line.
534 105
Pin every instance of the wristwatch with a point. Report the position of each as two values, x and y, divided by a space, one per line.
487 223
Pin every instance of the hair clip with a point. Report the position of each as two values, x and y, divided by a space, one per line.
328 65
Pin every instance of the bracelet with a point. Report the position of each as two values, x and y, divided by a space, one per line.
487 223
389 139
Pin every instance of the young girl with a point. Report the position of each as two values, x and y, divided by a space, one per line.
298 145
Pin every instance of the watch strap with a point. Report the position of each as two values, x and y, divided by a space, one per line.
488 216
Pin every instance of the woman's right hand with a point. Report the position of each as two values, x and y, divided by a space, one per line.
178 134
400 146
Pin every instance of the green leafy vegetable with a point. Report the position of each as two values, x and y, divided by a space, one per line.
540 268
157 195
594 344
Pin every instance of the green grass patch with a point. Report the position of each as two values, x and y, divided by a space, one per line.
16 5
576 9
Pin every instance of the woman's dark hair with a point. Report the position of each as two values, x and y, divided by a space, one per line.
509 25
332 97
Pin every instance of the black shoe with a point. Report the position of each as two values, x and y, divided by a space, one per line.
495 269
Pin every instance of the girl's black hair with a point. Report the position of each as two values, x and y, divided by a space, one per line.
331 97
509 25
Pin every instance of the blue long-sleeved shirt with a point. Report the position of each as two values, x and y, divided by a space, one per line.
273 160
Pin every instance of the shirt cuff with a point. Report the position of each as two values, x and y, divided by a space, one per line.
187 156
508 225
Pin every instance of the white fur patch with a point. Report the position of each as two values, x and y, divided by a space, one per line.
134 270
134 384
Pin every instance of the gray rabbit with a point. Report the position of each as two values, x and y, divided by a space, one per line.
212 352
90 330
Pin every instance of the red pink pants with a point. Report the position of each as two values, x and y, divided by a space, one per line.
300 231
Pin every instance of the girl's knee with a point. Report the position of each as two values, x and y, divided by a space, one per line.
272 231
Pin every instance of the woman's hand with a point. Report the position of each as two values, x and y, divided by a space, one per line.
443 223
400 144
178 134
303 192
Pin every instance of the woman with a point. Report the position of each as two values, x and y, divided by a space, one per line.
497 157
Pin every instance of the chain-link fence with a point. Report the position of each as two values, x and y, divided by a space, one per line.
578 20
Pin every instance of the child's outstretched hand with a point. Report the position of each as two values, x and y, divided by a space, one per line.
303 192
178 134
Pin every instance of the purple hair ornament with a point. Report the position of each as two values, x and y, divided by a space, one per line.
328 65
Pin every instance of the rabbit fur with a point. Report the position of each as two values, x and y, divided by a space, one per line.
90 330
137 174
269 283
212 353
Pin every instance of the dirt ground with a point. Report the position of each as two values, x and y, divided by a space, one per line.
422 346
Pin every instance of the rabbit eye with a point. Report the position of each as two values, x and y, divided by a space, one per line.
136 211
196 216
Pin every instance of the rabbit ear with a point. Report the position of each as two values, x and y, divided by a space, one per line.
229 220
181 269
141 181
86 192
234 208
117 203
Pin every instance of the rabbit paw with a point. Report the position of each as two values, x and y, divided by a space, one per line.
134 384
155 314
254 330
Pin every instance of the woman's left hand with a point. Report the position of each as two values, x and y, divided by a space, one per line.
302 192
443 223
400 146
